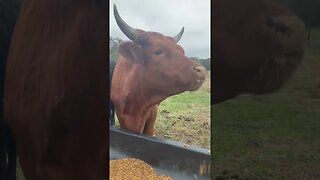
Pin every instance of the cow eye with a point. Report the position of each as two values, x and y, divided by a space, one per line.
158 52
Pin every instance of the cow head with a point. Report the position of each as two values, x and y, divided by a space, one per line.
166 69
257 45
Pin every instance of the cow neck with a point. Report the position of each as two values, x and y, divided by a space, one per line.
141 94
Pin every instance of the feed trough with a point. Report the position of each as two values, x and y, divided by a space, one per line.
168 158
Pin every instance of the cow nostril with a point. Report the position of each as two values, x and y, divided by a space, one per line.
197 69
200 70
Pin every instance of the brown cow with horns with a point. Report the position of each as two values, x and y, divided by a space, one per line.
150 69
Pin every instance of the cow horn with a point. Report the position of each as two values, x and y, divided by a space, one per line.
178 36
130 32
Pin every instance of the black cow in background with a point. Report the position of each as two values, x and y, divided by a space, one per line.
111 69
9 10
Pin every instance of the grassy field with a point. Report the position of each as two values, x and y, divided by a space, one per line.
186 117
275 136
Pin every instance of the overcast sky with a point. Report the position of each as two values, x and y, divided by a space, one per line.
168 17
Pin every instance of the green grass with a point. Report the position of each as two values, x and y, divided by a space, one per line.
275 136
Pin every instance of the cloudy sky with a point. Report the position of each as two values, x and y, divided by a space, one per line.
168 17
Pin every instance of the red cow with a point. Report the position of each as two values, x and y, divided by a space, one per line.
55 89
150 69
257 45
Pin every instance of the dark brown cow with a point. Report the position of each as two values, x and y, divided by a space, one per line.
150 69
55 93
257 45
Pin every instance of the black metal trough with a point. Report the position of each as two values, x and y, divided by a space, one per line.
167 157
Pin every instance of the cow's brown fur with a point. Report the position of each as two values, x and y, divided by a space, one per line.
257 45
55 94
142 79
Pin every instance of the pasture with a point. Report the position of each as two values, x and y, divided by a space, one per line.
275 136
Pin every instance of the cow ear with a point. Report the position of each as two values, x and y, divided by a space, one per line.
131 51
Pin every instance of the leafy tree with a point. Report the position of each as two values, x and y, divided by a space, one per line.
114 48
195 58
204 62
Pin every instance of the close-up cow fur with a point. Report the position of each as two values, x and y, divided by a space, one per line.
56 89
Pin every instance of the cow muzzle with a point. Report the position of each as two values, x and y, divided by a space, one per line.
289 33
200 76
